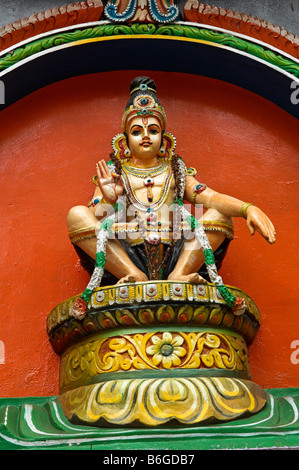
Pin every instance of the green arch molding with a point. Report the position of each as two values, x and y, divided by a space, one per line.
178 47
174 30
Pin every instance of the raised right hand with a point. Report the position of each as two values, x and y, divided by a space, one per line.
109 183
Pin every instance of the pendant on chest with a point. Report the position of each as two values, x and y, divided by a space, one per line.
149 183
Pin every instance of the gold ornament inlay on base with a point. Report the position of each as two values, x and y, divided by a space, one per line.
156 353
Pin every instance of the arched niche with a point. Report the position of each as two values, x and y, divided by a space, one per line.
231 111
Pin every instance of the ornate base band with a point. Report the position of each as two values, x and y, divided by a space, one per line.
153 402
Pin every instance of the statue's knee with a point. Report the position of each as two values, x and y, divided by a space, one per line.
218 225
212 215
77 216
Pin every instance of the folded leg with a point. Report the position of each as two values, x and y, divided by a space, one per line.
219 230
82 225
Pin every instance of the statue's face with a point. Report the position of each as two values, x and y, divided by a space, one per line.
144 137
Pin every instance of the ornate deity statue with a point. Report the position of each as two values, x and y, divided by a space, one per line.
137 228
156 337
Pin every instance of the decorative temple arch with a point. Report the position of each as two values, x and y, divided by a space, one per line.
209 41
193 11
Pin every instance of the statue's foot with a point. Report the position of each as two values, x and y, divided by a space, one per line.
193 278
132 278
126 279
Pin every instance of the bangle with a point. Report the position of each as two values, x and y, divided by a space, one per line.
244 209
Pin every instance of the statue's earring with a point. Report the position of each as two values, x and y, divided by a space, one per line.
162 150
120 147
127 151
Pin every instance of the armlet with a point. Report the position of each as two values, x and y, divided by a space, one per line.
191 171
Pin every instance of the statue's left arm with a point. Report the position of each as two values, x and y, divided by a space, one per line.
256 219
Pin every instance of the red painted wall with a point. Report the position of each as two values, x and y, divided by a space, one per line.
241 145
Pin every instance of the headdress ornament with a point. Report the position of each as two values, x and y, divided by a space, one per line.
143 102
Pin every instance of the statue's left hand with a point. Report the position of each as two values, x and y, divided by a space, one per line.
258 221
109 183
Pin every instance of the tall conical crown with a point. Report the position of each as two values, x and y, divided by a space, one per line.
143 101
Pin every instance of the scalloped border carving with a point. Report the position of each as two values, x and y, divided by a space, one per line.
194 11
256 28
58 17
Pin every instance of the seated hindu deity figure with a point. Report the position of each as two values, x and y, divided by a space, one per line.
140 194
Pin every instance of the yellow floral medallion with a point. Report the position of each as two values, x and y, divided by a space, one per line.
166 350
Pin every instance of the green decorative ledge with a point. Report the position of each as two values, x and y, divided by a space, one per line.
177 31
39 424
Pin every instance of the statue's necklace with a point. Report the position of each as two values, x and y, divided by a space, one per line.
144 172
148 175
